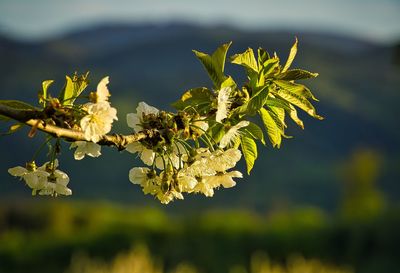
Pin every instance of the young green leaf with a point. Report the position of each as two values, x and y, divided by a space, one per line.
215 63
217 131
298 101
43 93
277 102
73 88
296 88
67 93
292 55
263 56
193 98
249 149
255 132
254 103
294 117
246 59
296 74
271 68
274 133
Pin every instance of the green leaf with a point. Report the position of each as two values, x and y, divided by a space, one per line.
254 103
16 104
246 59
73 88
296 88
193 98
43 93
277 102
255 132
217 131
292 55
278 116
215 63
298 100
274 132
271 67
249 149
294 117
296 74
228 82
67 94
263 56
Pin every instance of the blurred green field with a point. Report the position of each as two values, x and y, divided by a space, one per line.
45 237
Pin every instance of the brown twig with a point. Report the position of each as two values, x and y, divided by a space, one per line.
34 118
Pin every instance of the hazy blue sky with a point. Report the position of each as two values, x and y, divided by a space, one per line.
375 20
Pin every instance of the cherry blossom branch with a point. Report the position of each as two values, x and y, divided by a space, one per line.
35 119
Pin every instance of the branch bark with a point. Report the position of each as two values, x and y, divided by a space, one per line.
34 119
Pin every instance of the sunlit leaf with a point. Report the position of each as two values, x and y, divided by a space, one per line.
297 100
296 88
255 131
296 74
246 59
217 131
73 88
215 63
294 117
193 98
292 55
271 68
263 56
274 133
249 149
277 102
43 93
254 103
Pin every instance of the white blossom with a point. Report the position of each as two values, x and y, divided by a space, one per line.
232 134
57 181
146 155
223 103
102 93
223 179
203 187
98 121
149 183
85 148
138 175
57 184
135 120
35 179
186 182
221 161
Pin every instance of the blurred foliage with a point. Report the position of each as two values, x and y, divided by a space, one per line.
139 260
361 196
51 232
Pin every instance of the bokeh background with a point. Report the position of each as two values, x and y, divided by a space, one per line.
327 200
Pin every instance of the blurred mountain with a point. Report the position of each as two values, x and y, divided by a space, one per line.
358 88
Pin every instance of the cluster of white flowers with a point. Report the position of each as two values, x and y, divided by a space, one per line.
97 122
201 173
182 170
45 180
